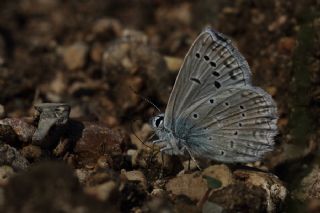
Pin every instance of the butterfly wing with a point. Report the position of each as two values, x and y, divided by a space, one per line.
213 106
236 125
211 65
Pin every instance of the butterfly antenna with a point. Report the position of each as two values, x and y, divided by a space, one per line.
143 142
145 99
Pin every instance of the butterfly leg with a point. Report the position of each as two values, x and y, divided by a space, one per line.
158 141
166 149
161 143
162 166
191 156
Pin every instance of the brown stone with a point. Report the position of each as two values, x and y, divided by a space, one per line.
136 175
309 187
2 112
191 185
31 152
74 56
5 173
221 173
12 157
286 45
21 127
102 191
96 140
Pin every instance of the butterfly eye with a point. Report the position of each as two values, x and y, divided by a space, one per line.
158 121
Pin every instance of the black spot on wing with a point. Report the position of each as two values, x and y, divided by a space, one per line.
215 73
196 80
213 64
217 84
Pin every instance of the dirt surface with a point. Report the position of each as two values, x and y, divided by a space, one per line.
98 55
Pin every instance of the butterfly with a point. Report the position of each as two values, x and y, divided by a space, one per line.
213 111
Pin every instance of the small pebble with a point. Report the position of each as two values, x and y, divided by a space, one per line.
180 14
31 152
103 191
103 162
96 140
281 20
190 185
272 90
2 112
22 128
75 55
10 156
136 175
173 63
283 122
104 26
82 175
5 173
1 197
287 45
96 53
158 193
133 153
219 172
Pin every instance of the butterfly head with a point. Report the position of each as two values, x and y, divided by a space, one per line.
157 121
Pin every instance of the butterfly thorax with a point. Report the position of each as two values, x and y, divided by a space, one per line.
169 143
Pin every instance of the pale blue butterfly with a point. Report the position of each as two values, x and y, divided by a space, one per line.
213 111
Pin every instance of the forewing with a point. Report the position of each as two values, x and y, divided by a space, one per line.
211 65
236 125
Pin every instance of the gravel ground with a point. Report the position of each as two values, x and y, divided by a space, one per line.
98 55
